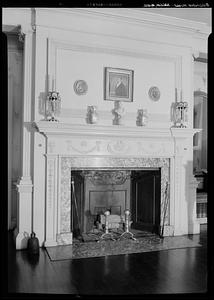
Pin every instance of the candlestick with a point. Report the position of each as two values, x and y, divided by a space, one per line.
53 89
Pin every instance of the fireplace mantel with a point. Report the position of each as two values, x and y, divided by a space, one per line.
57 128
68 146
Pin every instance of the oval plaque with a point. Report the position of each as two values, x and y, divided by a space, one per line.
80 87
154 93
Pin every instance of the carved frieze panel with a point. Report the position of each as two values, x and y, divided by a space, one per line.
82 146
114 146
118 147
155 148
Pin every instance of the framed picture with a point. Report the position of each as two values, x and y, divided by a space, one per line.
118 84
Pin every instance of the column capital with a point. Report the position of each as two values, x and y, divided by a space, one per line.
195 54
23 30
24 185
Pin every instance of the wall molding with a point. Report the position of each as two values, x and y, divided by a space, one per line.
126 15
55 45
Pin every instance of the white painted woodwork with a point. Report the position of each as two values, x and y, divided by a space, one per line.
81 141
78 46
15 104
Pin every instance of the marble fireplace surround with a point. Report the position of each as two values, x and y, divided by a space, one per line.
96 147
111 163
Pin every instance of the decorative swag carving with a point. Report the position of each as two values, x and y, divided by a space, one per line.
106 177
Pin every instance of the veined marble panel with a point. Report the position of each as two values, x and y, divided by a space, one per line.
108 163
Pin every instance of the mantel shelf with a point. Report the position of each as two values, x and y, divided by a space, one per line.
57 128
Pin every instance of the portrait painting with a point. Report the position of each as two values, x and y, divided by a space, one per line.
118 84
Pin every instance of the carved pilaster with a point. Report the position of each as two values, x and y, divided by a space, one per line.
51 201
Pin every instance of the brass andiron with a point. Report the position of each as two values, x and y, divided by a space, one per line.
106 233
127 232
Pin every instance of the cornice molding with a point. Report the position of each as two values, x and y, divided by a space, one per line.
94 130
131 16
200 94
55 45
19 20
184 132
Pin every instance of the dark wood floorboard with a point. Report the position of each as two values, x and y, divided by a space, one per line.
168 272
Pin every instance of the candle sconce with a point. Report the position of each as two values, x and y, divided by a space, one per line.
53 106
180 114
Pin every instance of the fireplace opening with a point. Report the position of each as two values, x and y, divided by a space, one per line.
95 191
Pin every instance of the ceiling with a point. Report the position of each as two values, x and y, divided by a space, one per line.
194 14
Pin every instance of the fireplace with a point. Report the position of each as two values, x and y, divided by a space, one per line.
141 154
95 191
115 185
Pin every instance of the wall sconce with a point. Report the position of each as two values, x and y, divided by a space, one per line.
53 106
181 114
180 111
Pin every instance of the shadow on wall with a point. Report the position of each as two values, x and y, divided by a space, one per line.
42 105
42 100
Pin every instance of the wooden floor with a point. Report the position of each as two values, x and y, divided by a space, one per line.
168 271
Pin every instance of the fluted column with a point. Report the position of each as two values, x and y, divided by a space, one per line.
24 184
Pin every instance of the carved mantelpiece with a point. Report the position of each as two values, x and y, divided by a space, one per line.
114 148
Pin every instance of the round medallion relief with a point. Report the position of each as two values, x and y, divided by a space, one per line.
80 87
154 93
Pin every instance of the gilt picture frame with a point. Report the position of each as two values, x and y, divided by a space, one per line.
118 84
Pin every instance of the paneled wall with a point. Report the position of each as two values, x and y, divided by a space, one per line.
84 43
89 66
15 86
